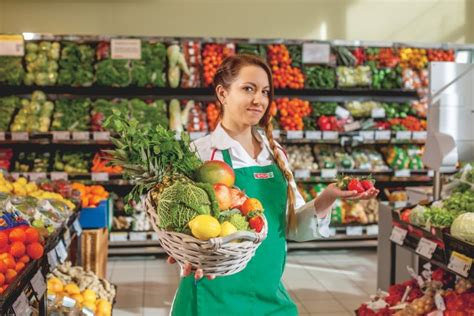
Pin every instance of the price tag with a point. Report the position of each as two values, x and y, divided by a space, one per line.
294 135
426 248
154 237
398 235
460 264
15 175
420 135
34 176
87 312
61 251
383 135
12 45
314 53
372 230
332 231
67 237
61 136
38 284
378 113
69 302
58 176
342 112
126 48
21 306
439 302
402 173
399 204
118 236
430 173
2 136
328 173
77 227
313 135
354 230
403 135
80 135
101 136
20 136
329 135
367 135
276 133
100 176
302 173
352 126
196 135
138 236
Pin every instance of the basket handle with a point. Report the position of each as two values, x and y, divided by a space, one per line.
246 235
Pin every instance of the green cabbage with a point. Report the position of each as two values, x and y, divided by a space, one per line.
417 216
463 227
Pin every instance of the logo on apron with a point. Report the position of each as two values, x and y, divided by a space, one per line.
267 175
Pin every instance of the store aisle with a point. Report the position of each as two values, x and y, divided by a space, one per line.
332 283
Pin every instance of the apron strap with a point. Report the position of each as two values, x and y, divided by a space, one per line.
227 159
213 154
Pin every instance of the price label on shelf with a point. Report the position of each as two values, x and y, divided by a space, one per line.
313 135
100 176
118 236
126 48
402 173
460 264
101 136
328 173
302 173
332 231
430 173
38 284
77 227
400 204
61 136
367 135
20 136
342 112
196 135
315 53
21 306
383 135
69 302
372 230
276 133
12 45
294 135
67 237
420 135
403 135
154 236
329 135
378 113
439 302
53 259
354 230
352 126
80 135
2 136
398 235
61 251
87 311
58 176
426 248
34 176
138 236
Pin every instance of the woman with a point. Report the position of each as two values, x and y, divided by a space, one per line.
244 90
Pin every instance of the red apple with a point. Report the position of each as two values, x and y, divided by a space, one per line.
223 196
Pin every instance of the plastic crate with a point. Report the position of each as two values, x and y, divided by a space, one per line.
94 251
95 217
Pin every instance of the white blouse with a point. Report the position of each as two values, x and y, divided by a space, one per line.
309 226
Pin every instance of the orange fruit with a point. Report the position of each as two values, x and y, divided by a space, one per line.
25 259
32 235
5 249
19 266
85 201
95 200
1 290
2 279
3 239
251 205
3 267
10 263
17 234
97 190
10 275
4 287
17 249
35 250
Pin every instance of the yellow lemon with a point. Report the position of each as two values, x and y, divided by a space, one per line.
89 295
205 227
21 181
90 305
227 228
72 289
55 285
78 298
103 307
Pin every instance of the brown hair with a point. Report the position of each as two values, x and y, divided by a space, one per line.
225 75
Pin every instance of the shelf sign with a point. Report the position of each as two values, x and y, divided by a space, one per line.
126 48
61 251
52 259
402 173
332 231
58 176
196 135
276 133
426 248
420 135
38 284
294 135
101 136
138 236
34 176
354 230
352 126
77 227
12 45
100 176
398 235
460 264
302 173
315 53
372 230
403 135
313 135
20 136
367 135
67 237
328 173
61 136
69 302
87 311
382 135
342 112
21 306
378 113
329 135
80 135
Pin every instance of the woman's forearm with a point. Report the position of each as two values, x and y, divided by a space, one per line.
323 203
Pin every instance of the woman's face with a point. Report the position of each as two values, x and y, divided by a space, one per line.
247 98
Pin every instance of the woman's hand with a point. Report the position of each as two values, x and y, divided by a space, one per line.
337 193
187 268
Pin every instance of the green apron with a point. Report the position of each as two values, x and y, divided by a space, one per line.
257 290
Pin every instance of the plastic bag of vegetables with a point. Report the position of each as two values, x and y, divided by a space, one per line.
42 63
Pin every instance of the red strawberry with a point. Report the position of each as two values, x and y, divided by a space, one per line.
355 185
367 184
256 223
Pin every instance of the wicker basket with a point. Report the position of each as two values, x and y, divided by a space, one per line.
217 256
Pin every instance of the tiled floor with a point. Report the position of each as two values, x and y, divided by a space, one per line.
332 283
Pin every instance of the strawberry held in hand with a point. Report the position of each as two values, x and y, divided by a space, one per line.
355 185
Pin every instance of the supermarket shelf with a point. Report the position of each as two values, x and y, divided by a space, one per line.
333 244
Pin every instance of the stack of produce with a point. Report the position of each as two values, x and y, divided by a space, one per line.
296 54
8 105
323 108
6 155
178 117
326 156
291 113
101 163
440 55
72 162
42 63
320 77
252 49
176 64
347 77
301 158
149 71
363 212
34 115
102 109
387 78
212 114
111 72
362 109
83 287
76 65
11 71
330 123
382 57
284 74
91 195
344 57
212 57
197 119
63 187
414 58
397 110
32 161
192 56
409 123
150 114
404 157
71 115
368 159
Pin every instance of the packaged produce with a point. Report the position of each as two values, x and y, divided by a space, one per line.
32 161
368 159
149 71
72 162
34 114
353 77
12 72
363 212
301 157
344 160
329 123
176 64
284 74
440 55
71 115
325 156
42 63
197 119
404 157
103 108
8 105
320 77
415 58
111 72
212 56
192 56
212 114
291 113
76 65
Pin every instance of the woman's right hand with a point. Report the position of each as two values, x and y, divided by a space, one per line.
187 269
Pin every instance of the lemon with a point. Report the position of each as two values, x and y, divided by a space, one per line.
72 289
205 227
78 298
21 181
227 228
103 307
89 295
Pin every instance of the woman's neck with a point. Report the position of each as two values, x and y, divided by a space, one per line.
240 132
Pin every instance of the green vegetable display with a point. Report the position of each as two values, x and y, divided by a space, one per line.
76 65
462 227
11 71
113 73
8 105
34 115
397 110
150 69
252 49
151 114
386 78
320 77
296 55
42 63
72 162
32 162
71 115
324 108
